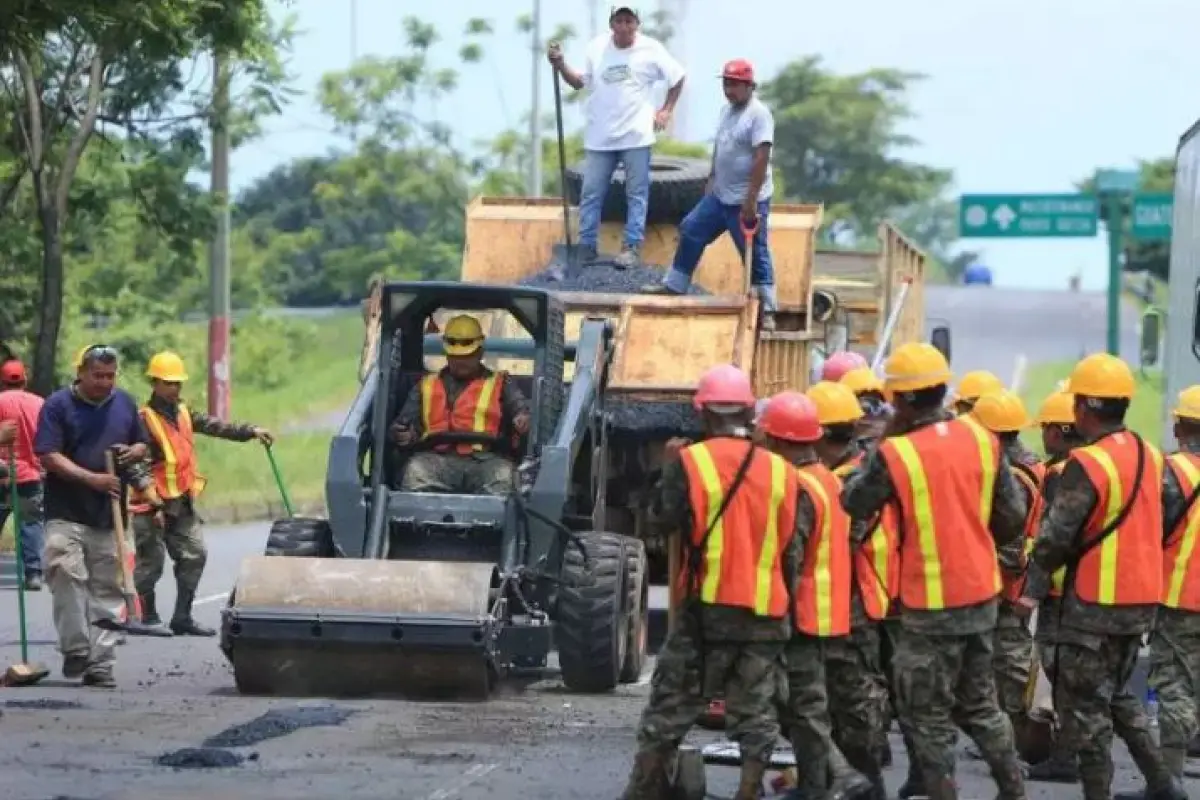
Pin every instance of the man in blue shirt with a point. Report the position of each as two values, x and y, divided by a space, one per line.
77 427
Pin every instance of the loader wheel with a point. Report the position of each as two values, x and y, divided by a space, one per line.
676 185
637 603
300 537
592 624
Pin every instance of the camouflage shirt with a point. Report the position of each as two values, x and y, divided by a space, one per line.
1058 538
512 401
670 511
869 489
1175 508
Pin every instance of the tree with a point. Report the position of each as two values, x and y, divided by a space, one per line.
1156 176
835 143
114 71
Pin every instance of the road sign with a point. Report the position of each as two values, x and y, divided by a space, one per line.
1117 181
1028 215
1151 216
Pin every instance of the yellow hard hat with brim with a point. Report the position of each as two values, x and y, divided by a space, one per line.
1188 406
1103 376
462 336
166 366
1001 412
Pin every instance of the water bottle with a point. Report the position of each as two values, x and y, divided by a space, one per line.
1152 713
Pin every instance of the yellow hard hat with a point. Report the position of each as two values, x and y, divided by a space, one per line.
862 380
1104 376
1001 412
103 349
976 384
166 366
914 366
1189 404
835 402
463 335
1057 409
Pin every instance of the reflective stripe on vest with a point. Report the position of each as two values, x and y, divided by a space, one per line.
477 409
741 564
1059 578
1134 550
823 592
945 475
1181 559
1013 586
877 561
175 473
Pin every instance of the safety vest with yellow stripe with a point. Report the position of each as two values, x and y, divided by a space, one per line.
876 562
822 602
1181 559
1125 569
477 409
175 472
944 475
1031 479
740 560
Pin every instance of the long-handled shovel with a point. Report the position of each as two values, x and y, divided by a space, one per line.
566 257
23 673
132 624
283 493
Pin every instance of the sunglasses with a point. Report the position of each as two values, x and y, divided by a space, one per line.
100 352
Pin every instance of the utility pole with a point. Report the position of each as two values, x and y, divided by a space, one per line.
219 367
535 113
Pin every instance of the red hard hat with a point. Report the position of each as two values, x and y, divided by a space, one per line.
12 373
840 363
738 70
791 416
725 385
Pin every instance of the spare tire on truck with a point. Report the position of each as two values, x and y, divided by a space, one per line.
676 185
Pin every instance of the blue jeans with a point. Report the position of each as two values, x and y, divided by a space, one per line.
30 497
598 168
703 225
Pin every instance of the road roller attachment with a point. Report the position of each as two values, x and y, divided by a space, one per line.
437 594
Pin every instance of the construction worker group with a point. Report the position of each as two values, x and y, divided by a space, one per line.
861 550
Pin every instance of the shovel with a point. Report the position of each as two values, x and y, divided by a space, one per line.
287 501
23 673
132 624
566 261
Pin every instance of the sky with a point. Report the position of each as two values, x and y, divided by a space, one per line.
1024 96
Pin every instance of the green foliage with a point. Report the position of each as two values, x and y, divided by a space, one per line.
1156 176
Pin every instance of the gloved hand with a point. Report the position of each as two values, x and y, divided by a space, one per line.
403 435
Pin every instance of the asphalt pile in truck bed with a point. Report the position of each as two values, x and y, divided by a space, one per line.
631 419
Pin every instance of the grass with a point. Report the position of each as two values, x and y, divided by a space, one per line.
1145 412
310 381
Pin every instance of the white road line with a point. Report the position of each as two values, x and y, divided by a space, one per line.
474 774
1018 377
212 598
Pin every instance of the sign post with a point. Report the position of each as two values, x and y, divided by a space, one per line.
1114 188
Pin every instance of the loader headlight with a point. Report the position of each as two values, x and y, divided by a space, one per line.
823 305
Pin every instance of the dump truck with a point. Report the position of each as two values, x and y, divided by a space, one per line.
423 593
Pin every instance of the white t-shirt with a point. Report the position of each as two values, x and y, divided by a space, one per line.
620 107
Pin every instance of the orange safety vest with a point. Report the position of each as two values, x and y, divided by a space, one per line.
822 602
1181 559
1014 585
944 475
1134 551
877 560
175 473
1059 578
476 410
741 560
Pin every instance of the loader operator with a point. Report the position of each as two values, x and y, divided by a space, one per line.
738 505
175 529
465 398
958 503
1105 524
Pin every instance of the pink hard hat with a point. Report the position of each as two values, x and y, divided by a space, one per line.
724 385
791 416
840 363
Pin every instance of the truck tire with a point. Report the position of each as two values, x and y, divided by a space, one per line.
591 627
300 537
637 603
676 185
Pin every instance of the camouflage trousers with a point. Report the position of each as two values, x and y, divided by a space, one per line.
181 537
687 676
858 697
1090 674
805 713
1013 643
1175 676
455 473
947 680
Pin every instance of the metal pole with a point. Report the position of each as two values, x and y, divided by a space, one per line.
219 369
1114 219
535 113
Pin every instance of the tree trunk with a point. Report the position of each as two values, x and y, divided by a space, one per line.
45 347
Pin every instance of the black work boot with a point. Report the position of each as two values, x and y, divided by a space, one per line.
914 784
750 783
149 610
648 780
182 623
1060 767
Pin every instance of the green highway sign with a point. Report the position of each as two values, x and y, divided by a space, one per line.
1018 216
1150 218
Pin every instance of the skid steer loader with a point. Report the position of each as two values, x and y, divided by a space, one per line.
440 594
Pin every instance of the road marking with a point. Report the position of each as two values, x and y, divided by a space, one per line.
212 598
472 775
1018 377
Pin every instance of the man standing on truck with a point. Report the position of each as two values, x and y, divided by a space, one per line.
738 199
470 400
621 70
21 408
